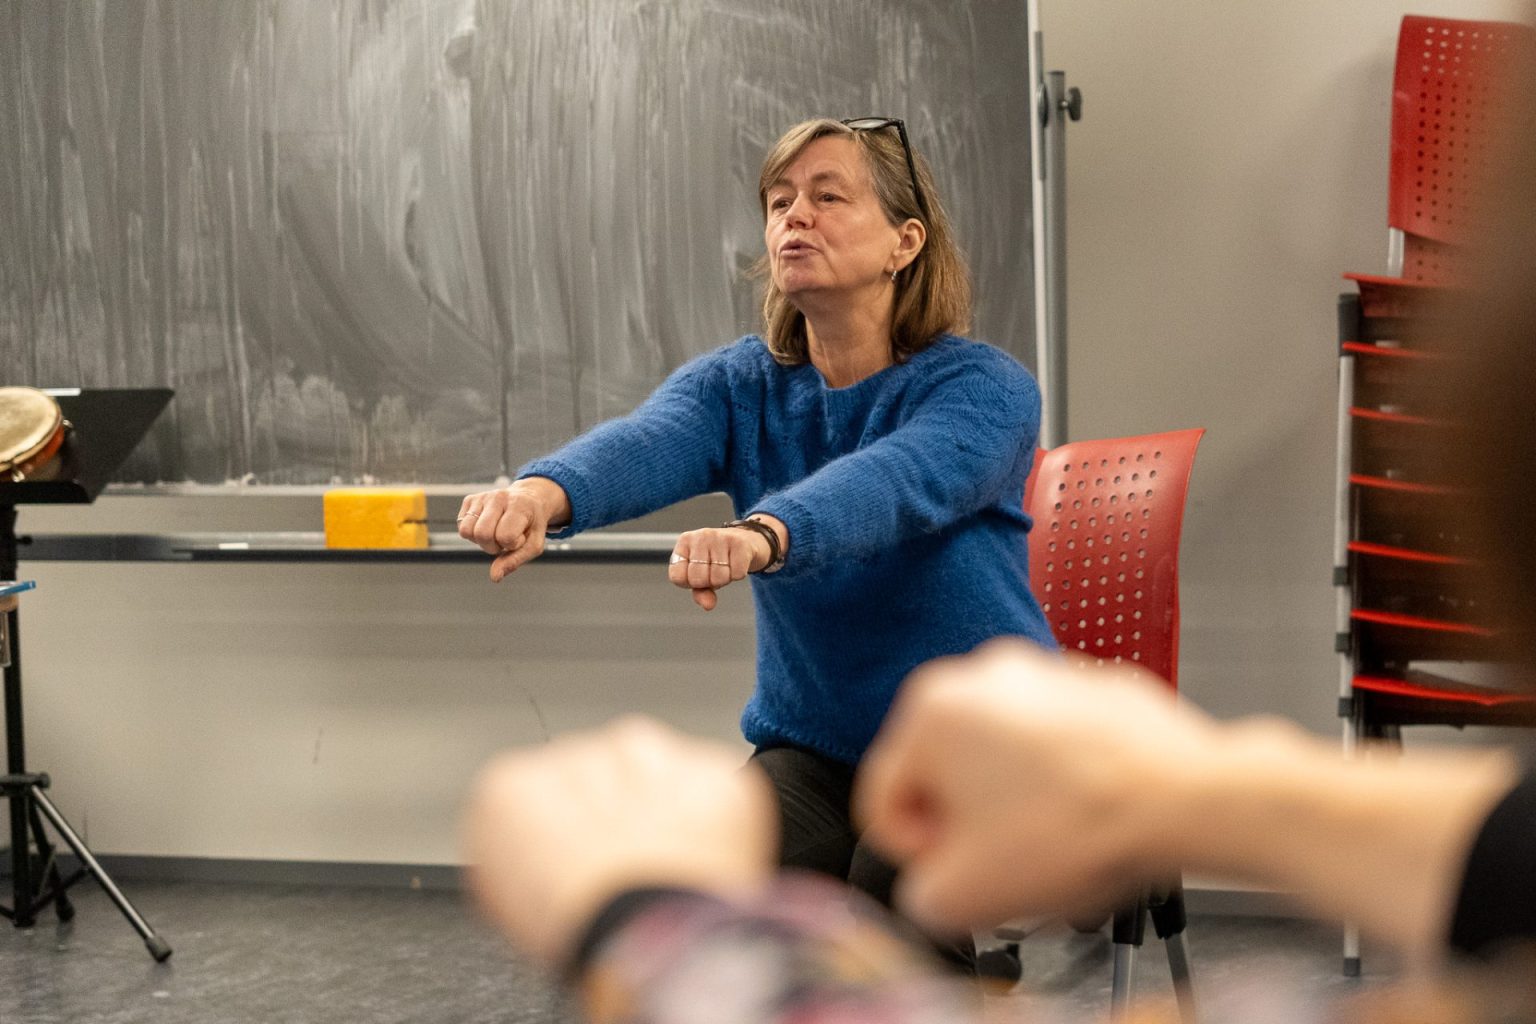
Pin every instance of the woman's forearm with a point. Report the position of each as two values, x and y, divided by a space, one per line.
1381 842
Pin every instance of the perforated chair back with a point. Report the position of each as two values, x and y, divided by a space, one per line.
1104 551
1451 102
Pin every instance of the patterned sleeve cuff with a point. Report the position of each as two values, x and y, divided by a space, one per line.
805 950
615 915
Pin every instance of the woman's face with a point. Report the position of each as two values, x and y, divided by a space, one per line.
828 239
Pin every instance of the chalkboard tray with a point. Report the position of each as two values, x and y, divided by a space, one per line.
310 547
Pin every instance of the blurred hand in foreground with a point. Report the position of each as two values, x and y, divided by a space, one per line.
1012 781
554 832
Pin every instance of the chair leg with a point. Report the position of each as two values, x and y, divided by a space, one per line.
1351 951
1128 931
1168 921
1358 729
1123 979
1178 965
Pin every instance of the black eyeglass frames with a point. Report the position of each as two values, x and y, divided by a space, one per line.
874 124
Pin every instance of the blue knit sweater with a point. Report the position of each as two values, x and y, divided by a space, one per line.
902 494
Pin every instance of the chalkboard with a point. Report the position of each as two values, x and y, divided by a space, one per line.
425 240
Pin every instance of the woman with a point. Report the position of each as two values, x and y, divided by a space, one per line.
876 459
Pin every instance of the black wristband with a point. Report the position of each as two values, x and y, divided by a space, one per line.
612 916
775 556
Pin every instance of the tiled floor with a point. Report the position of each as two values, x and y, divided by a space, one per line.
267 954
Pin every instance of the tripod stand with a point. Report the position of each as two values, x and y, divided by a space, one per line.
107 424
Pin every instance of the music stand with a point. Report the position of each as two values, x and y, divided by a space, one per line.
107 424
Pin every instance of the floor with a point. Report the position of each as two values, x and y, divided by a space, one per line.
270 954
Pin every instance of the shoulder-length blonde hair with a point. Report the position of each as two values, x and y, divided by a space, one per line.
933 292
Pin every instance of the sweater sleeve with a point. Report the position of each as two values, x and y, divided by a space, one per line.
969 440
794 954
1497 902
673 446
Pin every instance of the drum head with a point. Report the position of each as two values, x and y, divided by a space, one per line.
30 421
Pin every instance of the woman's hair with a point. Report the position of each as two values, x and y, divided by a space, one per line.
933 292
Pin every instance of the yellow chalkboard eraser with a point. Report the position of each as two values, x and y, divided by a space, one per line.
376 517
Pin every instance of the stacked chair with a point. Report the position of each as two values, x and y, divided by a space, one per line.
1413 648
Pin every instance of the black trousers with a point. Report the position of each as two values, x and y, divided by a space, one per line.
817 832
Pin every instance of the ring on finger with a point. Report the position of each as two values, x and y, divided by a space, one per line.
676 559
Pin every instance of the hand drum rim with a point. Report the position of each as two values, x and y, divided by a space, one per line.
32 429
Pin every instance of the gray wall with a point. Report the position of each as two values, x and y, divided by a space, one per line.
1232 162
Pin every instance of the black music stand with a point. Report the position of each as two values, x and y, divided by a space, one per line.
107 424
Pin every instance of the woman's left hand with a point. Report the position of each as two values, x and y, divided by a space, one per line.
703 561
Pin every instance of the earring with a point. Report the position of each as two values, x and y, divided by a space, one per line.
893 277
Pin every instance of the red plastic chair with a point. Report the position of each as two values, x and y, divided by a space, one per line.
1104 565
1450 104
1104 552
1451 95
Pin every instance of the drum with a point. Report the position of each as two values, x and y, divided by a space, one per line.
32 430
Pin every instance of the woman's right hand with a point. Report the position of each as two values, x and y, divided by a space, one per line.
510 522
